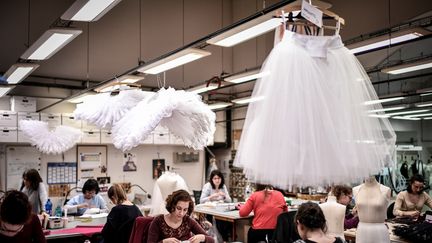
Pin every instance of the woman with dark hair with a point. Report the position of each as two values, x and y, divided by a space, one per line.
88 199
17 222
177 225
343 196
311 225
410 203
266 204
35 190
215 189
122 217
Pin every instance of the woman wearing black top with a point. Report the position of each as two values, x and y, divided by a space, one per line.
121 218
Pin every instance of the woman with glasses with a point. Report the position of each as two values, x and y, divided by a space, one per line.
177 225
410 203
343 196
35 190
17 222
88 199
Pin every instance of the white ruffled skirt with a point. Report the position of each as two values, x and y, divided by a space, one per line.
310 125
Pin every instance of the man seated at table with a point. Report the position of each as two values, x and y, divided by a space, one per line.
89 199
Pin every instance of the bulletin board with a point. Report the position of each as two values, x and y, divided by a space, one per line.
18 160
92 162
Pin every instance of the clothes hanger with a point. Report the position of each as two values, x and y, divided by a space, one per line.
122 86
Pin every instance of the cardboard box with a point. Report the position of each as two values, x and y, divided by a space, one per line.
91 136
8 134
53 119
68 119
27 116
22 138
21 103
8 119
106 137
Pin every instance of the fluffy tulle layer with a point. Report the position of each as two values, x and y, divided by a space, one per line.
310 125
183 113
57 141
104 109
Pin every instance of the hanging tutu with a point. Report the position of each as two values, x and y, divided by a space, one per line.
310 125
183 113
104 109
56 141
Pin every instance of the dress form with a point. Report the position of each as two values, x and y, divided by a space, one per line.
334 214
371 202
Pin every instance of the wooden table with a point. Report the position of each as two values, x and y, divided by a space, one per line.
78 228
350 234
219 213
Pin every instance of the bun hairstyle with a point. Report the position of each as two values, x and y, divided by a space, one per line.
116 192
177 196
311 216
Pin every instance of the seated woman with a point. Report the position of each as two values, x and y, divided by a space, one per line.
177 225
88 199
35 190
215 189
266 204
343 196
410 203
311 225
17 223
121 218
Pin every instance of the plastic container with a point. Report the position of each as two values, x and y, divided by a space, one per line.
48 207
58 211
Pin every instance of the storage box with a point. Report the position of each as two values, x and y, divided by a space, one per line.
8 119
53 119
91 136
68 119
27 116
148 140
22 138
161 137
88 126
20 103
106 137
8 134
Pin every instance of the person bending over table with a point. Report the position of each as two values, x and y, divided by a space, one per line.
122 217
35 190
88 199
410 203
177 225
343 196
17 222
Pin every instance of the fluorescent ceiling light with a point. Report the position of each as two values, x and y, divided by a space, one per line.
427 118
406 112
177 59
88 10
203 88
4 91
219 105
384 40
80 98
405 118
388 109
19 71
420 115
246 76
246 31
49 43
424 104
408 67
246 100
123 80
372 102
379 116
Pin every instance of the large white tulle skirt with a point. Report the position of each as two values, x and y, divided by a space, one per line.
372 233
310 125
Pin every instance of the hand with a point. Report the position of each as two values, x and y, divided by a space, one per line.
221 193
83 205
412 214
354 211
214 195
197 238
171 240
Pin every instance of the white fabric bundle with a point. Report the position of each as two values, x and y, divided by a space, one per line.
57 141
104 110
183 113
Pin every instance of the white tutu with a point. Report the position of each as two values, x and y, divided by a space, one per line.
183 113
310 125
57 141
104 110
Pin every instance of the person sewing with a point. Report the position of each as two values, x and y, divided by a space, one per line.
87 200
177 225
17 222
343 196
410 203
215 189
121 218
35 190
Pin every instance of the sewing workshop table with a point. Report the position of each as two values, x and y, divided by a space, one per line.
78 228
229 216
350 234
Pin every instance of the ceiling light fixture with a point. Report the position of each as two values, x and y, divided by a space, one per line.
49 43
246 76
407 112
123 80
408 67
389 109
372 102
4 91
174 60
80 98
420 115
19 72
384 40
378 116
246 100
203 88
405 118
423 104
88 10
219 105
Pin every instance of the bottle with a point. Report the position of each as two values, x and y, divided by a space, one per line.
48 207
58 211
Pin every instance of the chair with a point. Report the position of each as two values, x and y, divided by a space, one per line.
285 230
390 214
140 229
197 196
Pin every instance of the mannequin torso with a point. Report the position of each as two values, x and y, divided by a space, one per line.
334 214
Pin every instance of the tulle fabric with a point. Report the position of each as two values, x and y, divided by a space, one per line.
56 141
183 113
372 233
105 109
310 125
